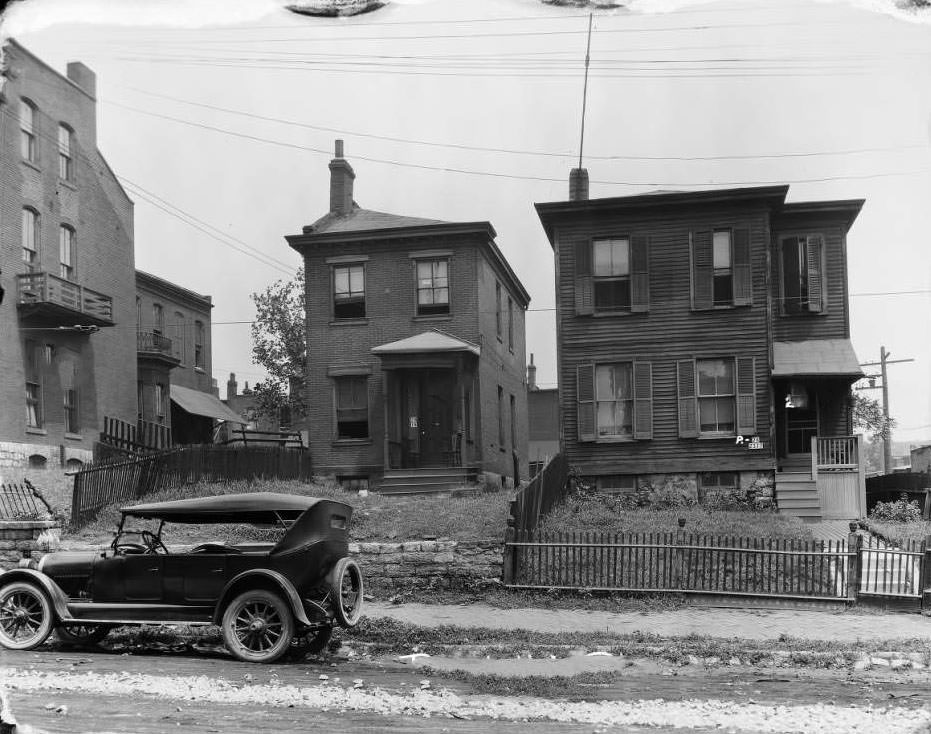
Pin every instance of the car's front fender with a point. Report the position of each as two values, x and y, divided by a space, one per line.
264 576
55 594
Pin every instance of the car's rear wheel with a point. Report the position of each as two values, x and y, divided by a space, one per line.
258 626
82 634
346 590
25 616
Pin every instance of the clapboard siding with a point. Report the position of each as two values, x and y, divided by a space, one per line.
833 323
669 331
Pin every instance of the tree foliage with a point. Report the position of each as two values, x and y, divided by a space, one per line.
868 415
279 345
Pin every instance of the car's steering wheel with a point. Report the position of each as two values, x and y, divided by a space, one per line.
130 548
153 544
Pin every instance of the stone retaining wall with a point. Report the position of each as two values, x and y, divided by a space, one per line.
446 564
21 538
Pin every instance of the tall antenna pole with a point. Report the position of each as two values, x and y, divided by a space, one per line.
588 48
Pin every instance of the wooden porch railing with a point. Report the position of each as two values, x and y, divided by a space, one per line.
836 452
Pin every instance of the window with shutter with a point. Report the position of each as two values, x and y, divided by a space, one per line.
803 289
743 275
688 405
584 289
640 273
615 401
716 396
611 274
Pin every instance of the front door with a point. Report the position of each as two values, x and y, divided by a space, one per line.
436 417
801 426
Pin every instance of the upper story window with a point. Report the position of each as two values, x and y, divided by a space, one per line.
349 291
510 323
66 250
199 344
498 319
158 319
159 402
803 288
31 353
30 239
177 340
722 284
27 115
65 160
611 274
721 275
432 287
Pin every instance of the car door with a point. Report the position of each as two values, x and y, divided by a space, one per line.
142 577
195 578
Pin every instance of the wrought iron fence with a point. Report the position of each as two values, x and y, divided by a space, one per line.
22 502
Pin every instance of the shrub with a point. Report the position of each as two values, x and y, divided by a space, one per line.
901 510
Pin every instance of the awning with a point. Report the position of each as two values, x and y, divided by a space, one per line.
203 403
816 358
428 342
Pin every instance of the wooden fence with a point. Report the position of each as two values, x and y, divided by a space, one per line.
104 483
546 490
139 437
22 502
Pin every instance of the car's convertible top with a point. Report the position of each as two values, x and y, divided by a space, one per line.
248 507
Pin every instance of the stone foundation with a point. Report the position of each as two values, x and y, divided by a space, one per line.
447 564
19 454
683 488
22 538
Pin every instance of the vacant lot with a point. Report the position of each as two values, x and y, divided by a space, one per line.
375 517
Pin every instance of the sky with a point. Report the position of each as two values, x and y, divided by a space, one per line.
219 116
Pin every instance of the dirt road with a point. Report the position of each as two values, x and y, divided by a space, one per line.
100 691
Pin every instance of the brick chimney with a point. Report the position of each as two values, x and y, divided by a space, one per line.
341 178
578 184
83 77
231 386
531 374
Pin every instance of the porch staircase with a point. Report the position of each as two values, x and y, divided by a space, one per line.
428 480
797 492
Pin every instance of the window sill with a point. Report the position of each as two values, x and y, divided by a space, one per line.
344 442
609 314
36 431
804 315
200 370
67 184
433 317
350 322
30 164
716 436
615 439
74 436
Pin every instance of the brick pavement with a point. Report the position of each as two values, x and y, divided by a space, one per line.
752 624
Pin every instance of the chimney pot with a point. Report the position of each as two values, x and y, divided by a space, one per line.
339 149
578 184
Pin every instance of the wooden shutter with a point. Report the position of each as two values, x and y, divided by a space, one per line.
585 394
688 399
746 395
702 269
584 289
815 273
640 273
643 400
743 275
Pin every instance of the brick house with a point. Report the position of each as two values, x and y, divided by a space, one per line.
704 344
415 347
67 323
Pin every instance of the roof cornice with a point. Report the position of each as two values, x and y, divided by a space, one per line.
173 290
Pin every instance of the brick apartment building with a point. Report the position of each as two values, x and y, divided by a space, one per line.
67 322
415 347
704 344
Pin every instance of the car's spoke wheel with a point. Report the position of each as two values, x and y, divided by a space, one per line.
82 634
346 591
258 626
25 616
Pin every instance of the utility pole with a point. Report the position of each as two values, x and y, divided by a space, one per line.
883 375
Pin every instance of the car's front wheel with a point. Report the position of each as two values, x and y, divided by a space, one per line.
258 626
25 616
346 591
82 634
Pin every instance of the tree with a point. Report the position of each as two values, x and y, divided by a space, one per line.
279 345
868 415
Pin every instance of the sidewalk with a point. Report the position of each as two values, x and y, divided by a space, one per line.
750 624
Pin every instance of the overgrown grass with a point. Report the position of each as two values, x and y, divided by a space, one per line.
603 514
901 531
375 518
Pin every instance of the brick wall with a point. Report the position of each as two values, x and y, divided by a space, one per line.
101 365
447 564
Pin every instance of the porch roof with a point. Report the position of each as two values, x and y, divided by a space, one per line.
816 358
428 342
203 403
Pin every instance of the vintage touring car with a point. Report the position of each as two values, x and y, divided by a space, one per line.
270 599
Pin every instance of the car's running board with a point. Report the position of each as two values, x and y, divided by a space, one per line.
139 613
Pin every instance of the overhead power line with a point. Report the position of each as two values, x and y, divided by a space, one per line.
494 174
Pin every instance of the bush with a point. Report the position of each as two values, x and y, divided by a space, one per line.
901 510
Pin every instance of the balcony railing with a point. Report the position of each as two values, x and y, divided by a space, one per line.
149 341
61 301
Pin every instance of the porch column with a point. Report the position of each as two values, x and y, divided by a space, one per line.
386 397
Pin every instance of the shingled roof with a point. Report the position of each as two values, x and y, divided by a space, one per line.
363 220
